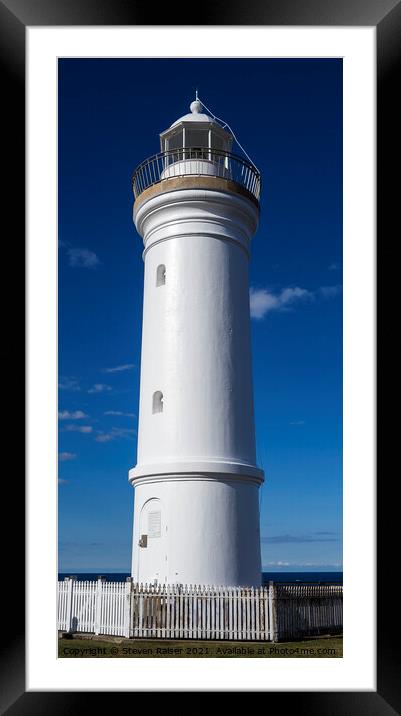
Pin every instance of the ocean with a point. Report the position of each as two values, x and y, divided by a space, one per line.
297 577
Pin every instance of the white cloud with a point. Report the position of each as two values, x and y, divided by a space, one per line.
119 368
104 438
64 456
74 415
62 482
262 301
123 432
318 565
68 383
99 388
114 434
290 295
82 258
314 565
330 291
79 428
298 422
298 539
119 412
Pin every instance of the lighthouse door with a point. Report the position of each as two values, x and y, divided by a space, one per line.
152 553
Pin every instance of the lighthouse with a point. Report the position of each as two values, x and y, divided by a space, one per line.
196 514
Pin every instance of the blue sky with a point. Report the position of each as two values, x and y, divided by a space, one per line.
287 113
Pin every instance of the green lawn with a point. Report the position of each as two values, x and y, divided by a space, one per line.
328 647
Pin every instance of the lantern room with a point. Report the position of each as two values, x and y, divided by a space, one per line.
195 136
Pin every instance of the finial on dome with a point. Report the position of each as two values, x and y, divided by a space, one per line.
196 106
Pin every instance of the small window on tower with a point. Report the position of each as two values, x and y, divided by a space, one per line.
157 404
161 275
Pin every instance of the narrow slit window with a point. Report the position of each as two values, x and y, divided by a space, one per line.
157 403
161 275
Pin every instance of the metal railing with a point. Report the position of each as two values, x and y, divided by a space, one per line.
196 162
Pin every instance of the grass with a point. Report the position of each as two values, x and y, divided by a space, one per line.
114 647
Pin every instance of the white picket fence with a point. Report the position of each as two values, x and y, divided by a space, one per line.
196 612
99 607
307 609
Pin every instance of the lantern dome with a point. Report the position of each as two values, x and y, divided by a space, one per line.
195 115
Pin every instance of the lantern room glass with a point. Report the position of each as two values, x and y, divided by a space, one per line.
197 141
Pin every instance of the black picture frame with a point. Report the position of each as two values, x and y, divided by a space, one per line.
15 17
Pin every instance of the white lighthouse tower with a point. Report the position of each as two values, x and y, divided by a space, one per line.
196 518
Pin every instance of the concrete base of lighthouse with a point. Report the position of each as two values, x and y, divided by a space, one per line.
197 528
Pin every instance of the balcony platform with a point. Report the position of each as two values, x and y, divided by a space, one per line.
193 182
